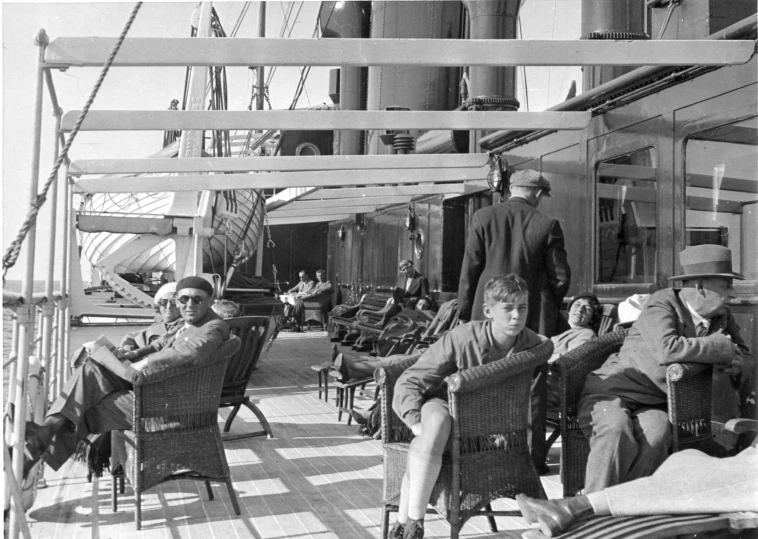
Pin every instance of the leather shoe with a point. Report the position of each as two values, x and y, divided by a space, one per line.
552 517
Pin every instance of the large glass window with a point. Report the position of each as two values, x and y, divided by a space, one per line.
626 221
721 192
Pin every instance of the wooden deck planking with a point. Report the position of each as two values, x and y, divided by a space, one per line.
317 478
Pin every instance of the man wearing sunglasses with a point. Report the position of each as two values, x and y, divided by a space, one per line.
95 400
168 320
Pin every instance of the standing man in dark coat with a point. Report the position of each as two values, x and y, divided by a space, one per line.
516 238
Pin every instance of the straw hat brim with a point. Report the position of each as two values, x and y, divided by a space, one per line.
701 275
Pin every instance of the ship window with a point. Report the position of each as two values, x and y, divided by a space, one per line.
626 221
721 192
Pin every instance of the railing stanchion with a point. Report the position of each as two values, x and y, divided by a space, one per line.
27 288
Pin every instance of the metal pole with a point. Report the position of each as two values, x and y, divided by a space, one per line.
27 290
189 251
261 91
48 308
71 264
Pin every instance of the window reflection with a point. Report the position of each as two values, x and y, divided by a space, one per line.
626 220
721 192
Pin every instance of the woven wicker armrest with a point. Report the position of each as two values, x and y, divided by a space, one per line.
226 350
477 378
393 428
572 370
678 371
741 424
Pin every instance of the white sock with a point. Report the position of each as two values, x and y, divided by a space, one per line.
423 470
599 502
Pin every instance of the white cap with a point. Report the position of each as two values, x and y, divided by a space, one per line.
165 290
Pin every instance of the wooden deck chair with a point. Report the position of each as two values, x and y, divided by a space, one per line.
489 456
252 332
608 319
175 431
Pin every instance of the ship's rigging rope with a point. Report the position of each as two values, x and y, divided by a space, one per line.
11 255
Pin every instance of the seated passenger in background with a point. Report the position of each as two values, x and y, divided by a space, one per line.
584 315
411 284
226 308
293 312
421 392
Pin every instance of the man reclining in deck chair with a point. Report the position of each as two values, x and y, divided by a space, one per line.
688 482
95 400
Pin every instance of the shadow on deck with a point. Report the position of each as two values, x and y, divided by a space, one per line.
316 478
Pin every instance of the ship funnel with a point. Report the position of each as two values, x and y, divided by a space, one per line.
348 20
412 87
491 88
610 19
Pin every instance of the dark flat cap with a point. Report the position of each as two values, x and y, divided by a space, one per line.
195 282
530 178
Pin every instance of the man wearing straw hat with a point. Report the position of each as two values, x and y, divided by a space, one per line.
623 407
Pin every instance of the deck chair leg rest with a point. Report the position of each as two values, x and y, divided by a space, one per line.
137 509
232 415
261 418
385 522
233 496
491 518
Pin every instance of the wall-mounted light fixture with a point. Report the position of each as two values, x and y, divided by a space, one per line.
410 221
360 222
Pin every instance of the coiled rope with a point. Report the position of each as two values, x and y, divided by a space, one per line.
11 254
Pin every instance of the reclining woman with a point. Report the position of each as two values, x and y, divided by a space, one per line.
584 315
421 392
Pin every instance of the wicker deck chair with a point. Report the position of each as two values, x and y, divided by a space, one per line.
176 434
252 332
490 458
316 309
572 369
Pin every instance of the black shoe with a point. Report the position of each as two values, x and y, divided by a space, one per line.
397 531
358 417
414 529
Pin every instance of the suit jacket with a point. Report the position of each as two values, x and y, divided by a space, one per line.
419 286
193 344
320 289
663 334
134 341
516 238
301 288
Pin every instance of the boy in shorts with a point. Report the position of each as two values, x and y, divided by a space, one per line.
421 391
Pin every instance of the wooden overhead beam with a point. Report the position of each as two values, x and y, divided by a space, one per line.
347 203
319 120
286 212
279 180
274 220
145 51
275 164
396 190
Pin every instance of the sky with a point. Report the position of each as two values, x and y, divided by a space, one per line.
154 88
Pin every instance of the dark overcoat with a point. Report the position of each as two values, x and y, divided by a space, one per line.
515 237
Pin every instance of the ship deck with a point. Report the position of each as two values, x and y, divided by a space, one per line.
316 478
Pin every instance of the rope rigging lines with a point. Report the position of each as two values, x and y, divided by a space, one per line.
13 251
